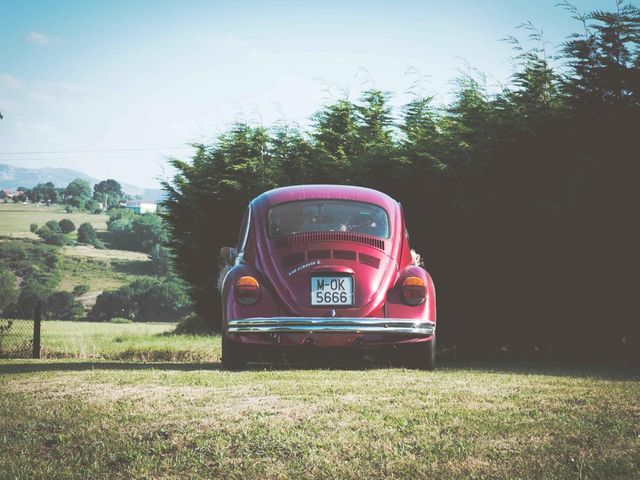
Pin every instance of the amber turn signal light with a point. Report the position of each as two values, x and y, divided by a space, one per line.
247 290
414 290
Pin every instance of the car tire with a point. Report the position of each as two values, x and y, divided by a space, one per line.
422 355
233 357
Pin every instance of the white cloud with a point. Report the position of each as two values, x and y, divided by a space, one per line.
42 39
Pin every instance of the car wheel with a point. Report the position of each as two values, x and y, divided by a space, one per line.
422 355
233 357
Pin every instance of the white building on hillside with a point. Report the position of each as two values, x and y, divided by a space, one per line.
141 206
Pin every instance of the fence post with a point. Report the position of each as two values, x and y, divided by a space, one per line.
37 322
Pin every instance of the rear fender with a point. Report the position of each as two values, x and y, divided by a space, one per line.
266 306
396 306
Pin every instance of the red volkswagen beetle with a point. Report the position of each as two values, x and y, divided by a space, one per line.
326 267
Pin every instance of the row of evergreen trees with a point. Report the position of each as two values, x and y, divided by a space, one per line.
523 202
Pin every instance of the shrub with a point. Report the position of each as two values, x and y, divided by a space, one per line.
33 228
63 306
66 225
111 304
68 208
161 261
53 226
31 294
8 290
76 202
146 299
80 290
194 325
93 206
130 231
86 234
51 237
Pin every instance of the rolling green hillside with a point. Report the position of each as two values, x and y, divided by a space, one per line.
79 265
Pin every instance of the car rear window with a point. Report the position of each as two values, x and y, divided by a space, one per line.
328 216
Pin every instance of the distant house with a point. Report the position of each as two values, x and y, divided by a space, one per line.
141 206
7 194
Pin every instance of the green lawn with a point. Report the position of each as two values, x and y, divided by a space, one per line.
83 418
15 219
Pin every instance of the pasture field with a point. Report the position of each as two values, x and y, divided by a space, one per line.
100 275
128 341
15 218
80 418
101 269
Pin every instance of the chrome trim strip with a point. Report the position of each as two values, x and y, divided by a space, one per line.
331 325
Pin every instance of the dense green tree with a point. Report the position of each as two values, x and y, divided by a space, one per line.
66 225
46 193
78 189
63 306
131 231
109 192
521 199
53 226
86 234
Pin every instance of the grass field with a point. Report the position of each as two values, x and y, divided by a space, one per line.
111 341
15 218
76 418
132 341
100 275
100 269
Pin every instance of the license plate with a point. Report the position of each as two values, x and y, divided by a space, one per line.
332 290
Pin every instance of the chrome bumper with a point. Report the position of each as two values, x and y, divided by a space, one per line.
331 325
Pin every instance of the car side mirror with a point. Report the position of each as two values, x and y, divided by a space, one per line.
228 254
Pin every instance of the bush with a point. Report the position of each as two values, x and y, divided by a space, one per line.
63 306
66 225
86 234
51 237
111 304
146 299
140 233
194 325
33 228
53 226
93 206
80 290
76 202
8 290
161 261
31 294
68 208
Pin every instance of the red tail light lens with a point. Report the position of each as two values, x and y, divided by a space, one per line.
414 290
247 290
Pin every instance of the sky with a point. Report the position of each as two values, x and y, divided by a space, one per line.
114 88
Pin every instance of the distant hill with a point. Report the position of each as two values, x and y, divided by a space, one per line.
13 177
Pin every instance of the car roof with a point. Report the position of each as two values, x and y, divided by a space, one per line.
325 192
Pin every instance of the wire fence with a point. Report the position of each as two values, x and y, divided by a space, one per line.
16 338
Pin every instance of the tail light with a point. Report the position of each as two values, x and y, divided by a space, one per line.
247 290
414 290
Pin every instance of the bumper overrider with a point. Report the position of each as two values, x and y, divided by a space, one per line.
331 325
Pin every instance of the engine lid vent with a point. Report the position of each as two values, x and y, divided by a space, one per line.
302 238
